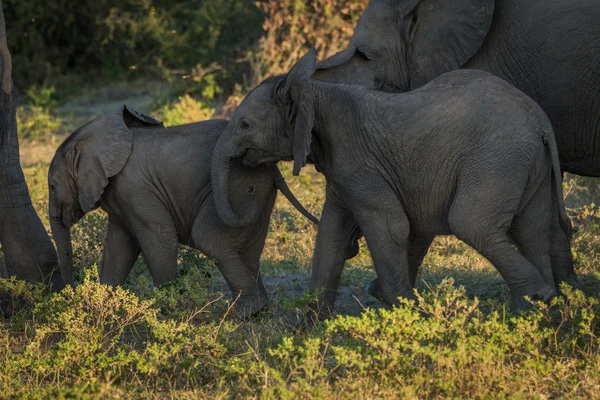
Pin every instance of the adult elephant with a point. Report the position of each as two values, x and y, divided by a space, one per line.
28 251
550 49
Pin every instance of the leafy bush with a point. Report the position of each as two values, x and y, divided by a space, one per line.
184 111
94 336
444 346
95 339
37 122
60 37
292 27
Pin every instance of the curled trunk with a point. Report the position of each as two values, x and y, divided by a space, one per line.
220 173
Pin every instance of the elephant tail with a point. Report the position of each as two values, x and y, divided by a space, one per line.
565 222
282 186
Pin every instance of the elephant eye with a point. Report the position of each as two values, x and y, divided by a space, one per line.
250 189
245 125
52 188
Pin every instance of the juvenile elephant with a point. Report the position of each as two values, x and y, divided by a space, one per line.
155 186
548 49
466 154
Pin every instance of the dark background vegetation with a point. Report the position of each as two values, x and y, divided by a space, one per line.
51 39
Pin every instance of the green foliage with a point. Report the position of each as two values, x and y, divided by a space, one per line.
85 339
444 346
37 122
184 111
113 37
95 339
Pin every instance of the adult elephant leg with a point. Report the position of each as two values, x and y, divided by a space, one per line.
336 242
121 250
418 246
28 251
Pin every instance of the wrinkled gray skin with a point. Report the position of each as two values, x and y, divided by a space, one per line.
155 186
466 154
549 49
28 251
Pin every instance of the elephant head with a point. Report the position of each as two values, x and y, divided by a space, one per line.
399 45
272 124
80 171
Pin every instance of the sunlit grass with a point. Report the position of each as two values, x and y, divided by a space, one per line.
182 340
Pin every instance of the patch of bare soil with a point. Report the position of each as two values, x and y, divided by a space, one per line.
34 152
138 95
350 301
286 290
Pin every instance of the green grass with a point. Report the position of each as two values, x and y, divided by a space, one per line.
181 341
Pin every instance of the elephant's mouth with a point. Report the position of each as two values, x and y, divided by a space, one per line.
255 157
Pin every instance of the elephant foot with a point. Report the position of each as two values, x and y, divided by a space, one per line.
318 312
372 288
575 282
248 306
544 293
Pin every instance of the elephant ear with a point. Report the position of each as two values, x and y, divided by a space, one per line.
134 119
298 86
339 59
445 34
99 151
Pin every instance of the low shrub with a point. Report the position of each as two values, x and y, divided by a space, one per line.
184 111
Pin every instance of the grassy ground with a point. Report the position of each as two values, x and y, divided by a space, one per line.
458 340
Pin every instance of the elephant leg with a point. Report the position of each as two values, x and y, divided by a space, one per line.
121 250
245 283
251 258
158 240
237 260
522 277
336 242
387 231
531 231
418 246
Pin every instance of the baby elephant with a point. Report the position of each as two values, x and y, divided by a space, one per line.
467 154
155 186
